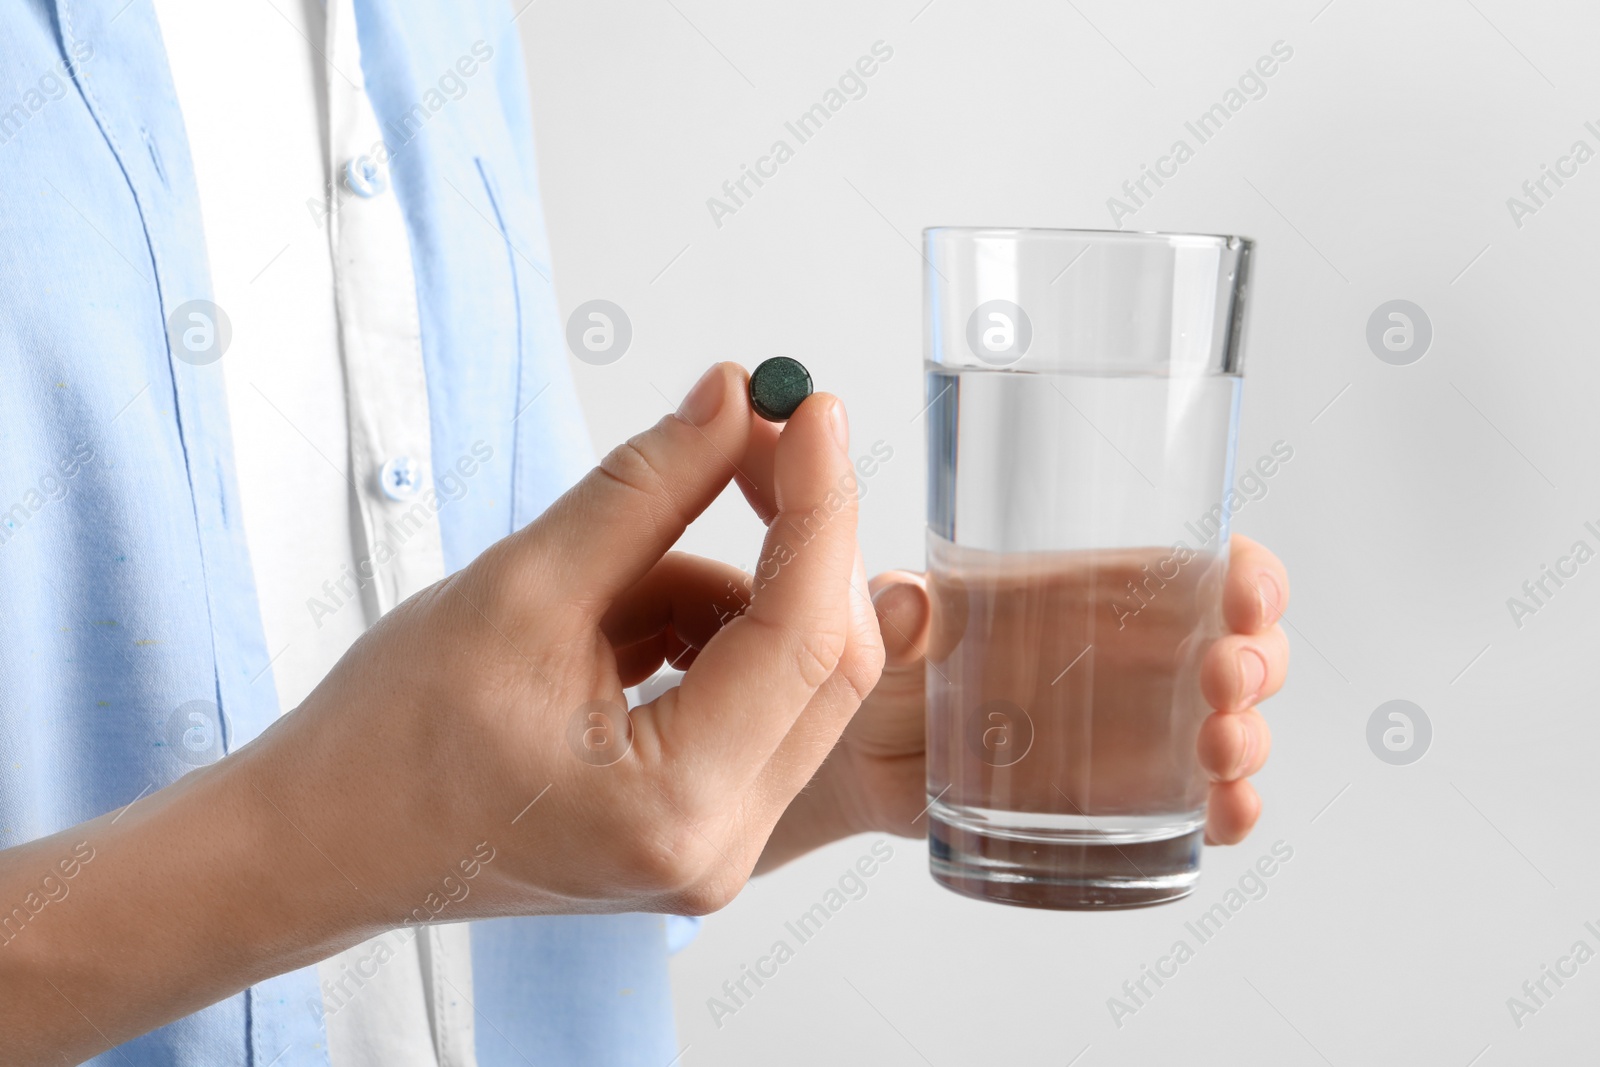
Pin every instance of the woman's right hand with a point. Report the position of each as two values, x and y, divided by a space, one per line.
504 684
470 755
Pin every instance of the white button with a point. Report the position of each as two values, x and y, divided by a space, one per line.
364 177
399 478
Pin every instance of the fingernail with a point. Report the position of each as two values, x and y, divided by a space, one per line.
888 601
1246 750
840 425
880 598
1252 673
1271 597
704 400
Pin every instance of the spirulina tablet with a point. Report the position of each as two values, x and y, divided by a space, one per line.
778 386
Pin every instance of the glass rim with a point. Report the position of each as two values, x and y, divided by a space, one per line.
1136 236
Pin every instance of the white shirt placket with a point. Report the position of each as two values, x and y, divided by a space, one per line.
391 466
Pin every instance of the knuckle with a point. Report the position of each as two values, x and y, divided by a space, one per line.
863 664
673 851
670 859
487 595
678 860
630 465
858 673
817 654
709 895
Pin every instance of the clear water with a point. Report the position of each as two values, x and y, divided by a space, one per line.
1075 554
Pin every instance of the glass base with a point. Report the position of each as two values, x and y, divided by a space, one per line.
1064 863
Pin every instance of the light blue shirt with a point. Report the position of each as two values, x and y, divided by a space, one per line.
126 591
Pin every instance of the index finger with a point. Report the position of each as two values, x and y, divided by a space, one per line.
754 678
756 470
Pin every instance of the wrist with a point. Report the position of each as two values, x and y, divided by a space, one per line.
256 875
315 894
179 900
346 837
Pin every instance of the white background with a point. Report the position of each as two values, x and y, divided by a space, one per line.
1419 499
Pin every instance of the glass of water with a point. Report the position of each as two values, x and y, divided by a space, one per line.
1083 400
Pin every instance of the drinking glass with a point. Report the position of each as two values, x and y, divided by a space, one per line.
1083 400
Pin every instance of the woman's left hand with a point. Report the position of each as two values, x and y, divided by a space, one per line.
875 779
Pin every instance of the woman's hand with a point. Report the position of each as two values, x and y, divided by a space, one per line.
471 755
875 780
502 687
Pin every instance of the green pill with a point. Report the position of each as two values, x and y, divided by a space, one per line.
777 386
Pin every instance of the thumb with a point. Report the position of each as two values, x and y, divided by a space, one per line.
904 611
607 531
